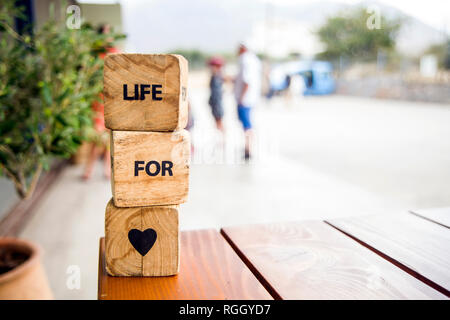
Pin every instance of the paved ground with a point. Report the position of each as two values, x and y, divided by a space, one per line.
321 157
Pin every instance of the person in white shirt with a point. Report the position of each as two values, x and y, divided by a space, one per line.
247 90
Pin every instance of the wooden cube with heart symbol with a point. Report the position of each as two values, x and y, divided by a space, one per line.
150 168
145 92
142 241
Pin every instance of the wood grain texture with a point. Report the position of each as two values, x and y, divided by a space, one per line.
164 258
168 70
418 246
312 260
143 190
209 270
437 215
122 259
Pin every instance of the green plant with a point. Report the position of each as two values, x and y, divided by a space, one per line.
442 52
347 35
48 82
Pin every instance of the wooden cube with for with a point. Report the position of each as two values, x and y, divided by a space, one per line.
150 168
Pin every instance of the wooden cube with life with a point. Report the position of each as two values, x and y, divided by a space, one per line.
150 168
145 92
142 241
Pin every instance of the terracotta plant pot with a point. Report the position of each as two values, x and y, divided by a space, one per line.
22 276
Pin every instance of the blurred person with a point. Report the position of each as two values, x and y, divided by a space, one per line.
295 90
216 87
266 89
297 86
247 90
190 125
100 143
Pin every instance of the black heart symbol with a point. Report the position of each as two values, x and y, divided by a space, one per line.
142 241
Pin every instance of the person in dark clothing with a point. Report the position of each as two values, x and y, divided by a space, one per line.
216 84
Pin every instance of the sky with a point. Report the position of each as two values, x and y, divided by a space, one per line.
433 12
275 27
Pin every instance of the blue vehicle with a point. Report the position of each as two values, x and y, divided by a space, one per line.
316 74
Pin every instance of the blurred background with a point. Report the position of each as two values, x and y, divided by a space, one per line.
353 117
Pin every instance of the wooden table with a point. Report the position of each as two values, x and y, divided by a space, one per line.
403 256
209 269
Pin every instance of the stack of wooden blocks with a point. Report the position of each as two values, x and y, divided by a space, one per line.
146 108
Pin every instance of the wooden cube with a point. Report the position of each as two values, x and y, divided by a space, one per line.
145 92
142 241
149 168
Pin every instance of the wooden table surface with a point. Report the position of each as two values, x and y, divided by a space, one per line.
403 256
312 260
438 215
417 246
209 269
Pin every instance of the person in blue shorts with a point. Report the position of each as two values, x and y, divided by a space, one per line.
215 85
247 91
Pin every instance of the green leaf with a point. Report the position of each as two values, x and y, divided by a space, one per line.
46 94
